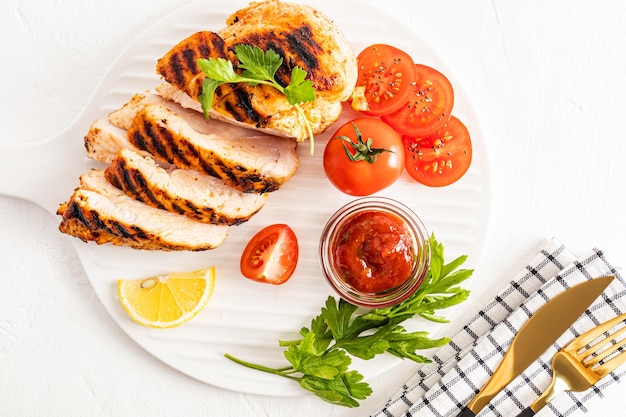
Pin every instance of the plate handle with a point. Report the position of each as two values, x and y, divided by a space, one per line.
40 172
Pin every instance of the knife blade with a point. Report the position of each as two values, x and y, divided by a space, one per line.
541 330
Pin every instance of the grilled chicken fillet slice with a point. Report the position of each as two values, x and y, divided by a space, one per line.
197 196
250 164
100 212
301 35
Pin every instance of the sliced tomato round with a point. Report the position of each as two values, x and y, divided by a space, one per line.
440 158
385 72
271 255
428 107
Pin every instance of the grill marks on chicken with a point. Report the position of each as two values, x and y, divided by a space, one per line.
179 65
236 102
100 212
301 35
246 164
199 197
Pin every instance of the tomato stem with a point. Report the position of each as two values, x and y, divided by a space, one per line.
363 151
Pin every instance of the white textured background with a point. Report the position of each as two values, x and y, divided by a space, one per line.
548 81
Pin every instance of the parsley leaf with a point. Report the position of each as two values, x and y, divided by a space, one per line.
220 69
320 361
305 358
299 90
344 390
257 64
404 345
259 67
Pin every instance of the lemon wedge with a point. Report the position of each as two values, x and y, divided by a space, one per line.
169 300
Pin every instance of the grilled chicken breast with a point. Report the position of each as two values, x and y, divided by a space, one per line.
301 35
100 212
248 164
197 196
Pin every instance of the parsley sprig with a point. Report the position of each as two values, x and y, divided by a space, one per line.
320 360
259 67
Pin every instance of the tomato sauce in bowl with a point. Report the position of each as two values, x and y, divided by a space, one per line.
374 252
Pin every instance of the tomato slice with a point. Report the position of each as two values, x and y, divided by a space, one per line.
271 255
385 72
428 107
440 158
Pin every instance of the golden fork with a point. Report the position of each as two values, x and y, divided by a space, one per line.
583 362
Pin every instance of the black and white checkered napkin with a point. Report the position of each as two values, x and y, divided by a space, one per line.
460 369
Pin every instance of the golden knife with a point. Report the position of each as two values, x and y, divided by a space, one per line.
536 335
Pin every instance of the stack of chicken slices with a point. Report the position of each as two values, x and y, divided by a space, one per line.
177 181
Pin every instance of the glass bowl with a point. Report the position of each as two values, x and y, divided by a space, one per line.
375 252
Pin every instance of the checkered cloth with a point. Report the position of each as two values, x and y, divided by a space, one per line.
460 369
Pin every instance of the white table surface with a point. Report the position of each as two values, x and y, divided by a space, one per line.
548 81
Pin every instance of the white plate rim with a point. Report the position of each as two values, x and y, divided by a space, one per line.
104 264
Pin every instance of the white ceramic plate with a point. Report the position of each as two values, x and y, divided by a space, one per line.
244 318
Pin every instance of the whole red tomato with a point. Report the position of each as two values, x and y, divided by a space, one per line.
364 156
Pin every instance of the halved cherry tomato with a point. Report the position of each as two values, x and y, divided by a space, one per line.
271 255
364 156
428 107
440 158
385 72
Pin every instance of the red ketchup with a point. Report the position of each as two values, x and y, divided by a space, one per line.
373 251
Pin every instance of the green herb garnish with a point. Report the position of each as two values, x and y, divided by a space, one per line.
319 361
259 67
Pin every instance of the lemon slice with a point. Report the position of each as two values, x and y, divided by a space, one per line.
166 301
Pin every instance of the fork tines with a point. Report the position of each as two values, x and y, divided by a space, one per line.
598 358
